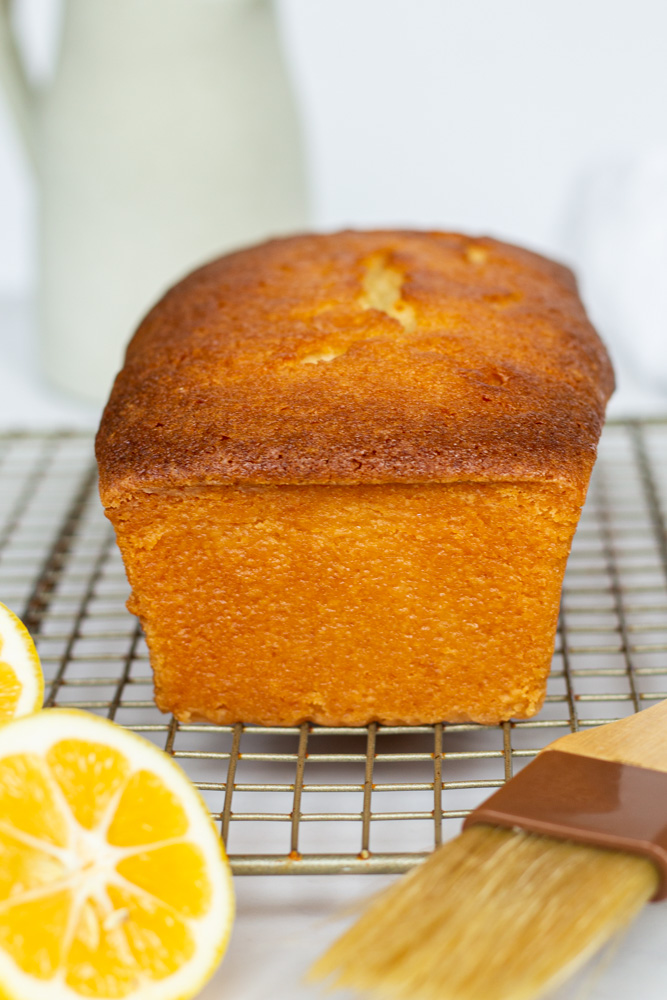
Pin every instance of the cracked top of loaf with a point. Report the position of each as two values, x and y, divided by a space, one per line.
360 357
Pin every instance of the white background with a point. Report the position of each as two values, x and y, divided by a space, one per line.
540 121
485 116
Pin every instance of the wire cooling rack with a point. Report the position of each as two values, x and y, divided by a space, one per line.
323 799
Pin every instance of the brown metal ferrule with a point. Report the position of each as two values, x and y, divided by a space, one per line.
587 800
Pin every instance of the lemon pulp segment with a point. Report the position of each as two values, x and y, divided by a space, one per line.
113 881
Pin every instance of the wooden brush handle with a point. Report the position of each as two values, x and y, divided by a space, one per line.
640 739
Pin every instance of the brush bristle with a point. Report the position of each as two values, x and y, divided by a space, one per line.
493 913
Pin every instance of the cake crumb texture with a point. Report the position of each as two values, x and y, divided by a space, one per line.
342 605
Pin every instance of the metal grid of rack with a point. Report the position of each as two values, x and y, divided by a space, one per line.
321 799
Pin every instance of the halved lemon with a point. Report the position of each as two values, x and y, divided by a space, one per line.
113 879
21 678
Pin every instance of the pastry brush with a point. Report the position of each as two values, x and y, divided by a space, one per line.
544 873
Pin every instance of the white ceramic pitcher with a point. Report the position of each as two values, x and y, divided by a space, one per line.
167 135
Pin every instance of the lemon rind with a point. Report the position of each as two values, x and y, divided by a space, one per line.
18 650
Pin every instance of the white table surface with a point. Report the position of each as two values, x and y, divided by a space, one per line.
283 923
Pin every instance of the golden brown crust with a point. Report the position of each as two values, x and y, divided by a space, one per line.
360 358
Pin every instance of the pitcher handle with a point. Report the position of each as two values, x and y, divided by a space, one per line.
15 83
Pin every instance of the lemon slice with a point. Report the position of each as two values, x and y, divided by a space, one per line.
21 679
113 880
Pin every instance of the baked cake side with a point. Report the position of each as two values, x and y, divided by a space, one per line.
347 604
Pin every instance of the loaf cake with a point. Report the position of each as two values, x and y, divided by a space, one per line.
344 473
